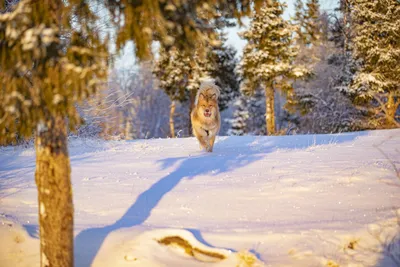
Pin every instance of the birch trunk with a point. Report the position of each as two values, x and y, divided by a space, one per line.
54 194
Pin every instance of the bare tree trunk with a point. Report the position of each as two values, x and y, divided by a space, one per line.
54 193
192 97
171 119
391 108
270 106
128 130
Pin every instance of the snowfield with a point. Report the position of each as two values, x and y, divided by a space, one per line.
311 200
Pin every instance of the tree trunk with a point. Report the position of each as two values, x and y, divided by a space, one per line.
270 112
391 108
192 97
171 119
54 193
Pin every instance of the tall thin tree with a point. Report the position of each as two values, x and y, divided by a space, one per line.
268 58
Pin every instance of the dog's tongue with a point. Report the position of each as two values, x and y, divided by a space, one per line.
207 114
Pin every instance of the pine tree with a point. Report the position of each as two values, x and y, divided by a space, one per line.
180 74
223 70
248 115
376 45
299 21
312 23
309 31
238 125
46 67
185 25
268 57
346 66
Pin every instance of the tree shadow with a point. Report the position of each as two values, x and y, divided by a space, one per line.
89 241
390 256
32 230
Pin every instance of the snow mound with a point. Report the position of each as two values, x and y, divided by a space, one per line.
168 247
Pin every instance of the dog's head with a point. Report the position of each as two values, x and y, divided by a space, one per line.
208 104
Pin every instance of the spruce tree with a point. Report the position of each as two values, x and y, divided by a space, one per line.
268 58
376 45
299 21
248 115
223 65
185 25
238 122
342 60
46 67
309 31
312 23
180 74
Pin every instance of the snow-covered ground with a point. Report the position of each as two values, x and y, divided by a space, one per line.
315 200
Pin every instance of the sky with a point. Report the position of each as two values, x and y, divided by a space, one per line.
127 60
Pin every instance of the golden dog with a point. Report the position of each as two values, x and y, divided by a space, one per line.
205 116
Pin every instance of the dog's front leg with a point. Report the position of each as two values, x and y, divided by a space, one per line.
211 146
203 142
202 139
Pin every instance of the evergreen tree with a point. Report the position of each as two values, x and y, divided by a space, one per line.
248 115
238 125
342 60
185 25
268 58
299 21
46 67
223 70
312 23
180 75
309 31
376 45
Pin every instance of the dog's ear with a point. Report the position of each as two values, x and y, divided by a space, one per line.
214 96
202 97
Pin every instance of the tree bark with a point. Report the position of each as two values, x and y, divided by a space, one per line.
192 97
54 193
270 109
171 119
391 108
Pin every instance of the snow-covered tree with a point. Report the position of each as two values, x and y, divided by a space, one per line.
308 21
321 107
180 74
342 58
299 21
173 70
376 45
238 125
268 57
223 70
46 67
248 115
185 25
312 22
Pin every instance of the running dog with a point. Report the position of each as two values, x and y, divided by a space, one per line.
205 116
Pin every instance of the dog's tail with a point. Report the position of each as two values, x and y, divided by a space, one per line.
207 88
